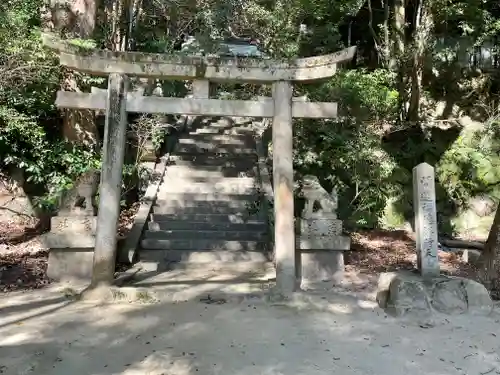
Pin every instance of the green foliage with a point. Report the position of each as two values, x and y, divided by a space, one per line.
83 44
366 96
29 126
349 156
29 74
347 153
472 165
53 165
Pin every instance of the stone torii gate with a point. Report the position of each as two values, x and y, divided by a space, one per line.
282 108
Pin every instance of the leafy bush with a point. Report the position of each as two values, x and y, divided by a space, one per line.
472 165
53 165
366 96
347 153
29 73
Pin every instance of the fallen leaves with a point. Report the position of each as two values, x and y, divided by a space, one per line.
23 258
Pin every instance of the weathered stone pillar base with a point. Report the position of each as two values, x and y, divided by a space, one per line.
321 261
70 264
321 269
71 242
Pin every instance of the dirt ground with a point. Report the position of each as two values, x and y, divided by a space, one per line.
23 256
342 332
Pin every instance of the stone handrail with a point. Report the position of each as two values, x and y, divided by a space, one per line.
169 66
128 252
264 175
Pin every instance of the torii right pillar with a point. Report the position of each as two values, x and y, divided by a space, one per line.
284 227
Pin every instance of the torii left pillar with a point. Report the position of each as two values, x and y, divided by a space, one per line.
115 133
284 227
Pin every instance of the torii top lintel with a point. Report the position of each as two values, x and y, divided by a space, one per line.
214 68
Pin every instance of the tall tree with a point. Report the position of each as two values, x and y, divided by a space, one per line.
74 19
423 24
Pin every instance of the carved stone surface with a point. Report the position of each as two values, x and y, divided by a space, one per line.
71 241
320 227
424 196
314 192
80 200
73 225
71 232
324 243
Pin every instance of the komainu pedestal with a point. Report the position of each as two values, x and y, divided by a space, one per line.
71 239
320 244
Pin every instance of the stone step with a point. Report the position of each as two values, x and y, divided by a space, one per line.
207 226
203 207
223 272
198 160
225 131
203 147
183 197
220 139
209 172
202 245
178 186
172 210
221 122
170 181
159 260
240 181
208 218
216 235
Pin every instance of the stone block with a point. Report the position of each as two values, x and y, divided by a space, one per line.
384 282
68 240
320 269
320 227
70 264
408 297
71 232
449 297
73 224
323 243
320 258
413 295
478 298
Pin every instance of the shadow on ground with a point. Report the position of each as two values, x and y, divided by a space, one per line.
318 334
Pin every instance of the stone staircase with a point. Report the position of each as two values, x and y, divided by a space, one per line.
203 213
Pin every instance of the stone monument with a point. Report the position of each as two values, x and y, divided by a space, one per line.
321 245
426 231
71 239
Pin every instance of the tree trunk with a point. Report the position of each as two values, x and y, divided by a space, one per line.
423 29
376 41
388 56
490 256
399 63
74 19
